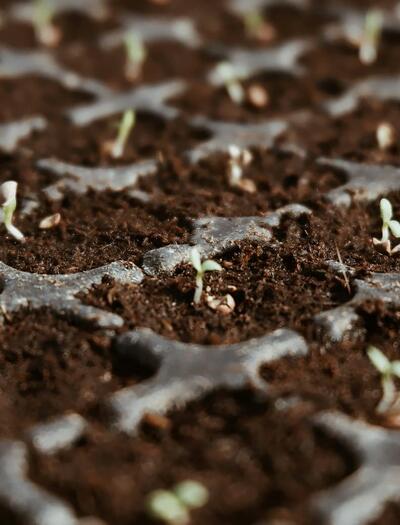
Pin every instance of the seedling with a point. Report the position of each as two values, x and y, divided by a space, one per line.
9 193
385 136
46 32
226 74
388 226
238 160
173 507
201 268
136 55
257 27
388 370
192 494
165 506
116 149
371 36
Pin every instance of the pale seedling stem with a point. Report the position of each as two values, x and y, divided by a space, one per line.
201 268
9 192
136 55
371 36
124 130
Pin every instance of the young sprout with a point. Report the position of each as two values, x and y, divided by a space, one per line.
136 55
257 27
9 193
388 226
388 370
201 268
371 36
192 494
238 160
45 30
385 136
165 506
117 147
173 507
227 75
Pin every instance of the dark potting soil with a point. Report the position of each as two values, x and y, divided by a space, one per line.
271 288
204 190
74 27
88 145
340 60
95 229
286 94
341 377
161 63
101 227
228 441
50 366
352 136
32 95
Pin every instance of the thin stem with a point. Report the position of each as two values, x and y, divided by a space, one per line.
385 233
199 288
389 394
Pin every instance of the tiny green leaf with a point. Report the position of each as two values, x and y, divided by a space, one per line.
379 360
195 259
165 506
386 210
211 266
396 368
192 494
394 227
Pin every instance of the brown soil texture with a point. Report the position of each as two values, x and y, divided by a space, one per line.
51 366
88 145
95 229
231 440
352 136
270 286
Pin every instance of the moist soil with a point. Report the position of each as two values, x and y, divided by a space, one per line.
351 136
228 441
262 459
89 146
50 366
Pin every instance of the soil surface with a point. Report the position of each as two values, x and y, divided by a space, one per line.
259 452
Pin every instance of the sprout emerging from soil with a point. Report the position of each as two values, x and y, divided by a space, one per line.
385 136
136 55
192 494
238 160
227 75
165 506
388 226
371 36
388 370
45 30
173 507
116 148
201 268
257 27
9 193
